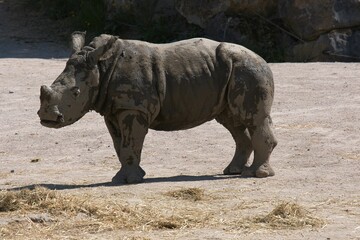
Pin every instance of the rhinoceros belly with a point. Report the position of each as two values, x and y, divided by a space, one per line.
192 97
187 109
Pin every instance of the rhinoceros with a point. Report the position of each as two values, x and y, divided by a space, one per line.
138 86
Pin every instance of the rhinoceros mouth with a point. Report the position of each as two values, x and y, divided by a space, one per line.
53 124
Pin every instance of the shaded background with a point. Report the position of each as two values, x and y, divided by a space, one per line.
278 30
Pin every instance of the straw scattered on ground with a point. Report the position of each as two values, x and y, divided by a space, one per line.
44 199
43 212
194 194
290 215
75 213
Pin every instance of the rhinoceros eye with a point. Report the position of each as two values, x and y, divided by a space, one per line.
75 91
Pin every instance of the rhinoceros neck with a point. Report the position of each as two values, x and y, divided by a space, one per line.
106 70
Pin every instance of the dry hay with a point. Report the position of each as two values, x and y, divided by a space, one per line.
194 194
81 214
43 199
60 215
289 215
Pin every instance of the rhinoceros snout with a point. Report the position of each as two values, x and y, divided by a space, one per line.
50 117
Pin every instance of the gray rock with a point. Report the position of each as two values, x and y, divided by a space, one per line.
337 45
309 19
262 7
200 12
156 7
223 28
326 30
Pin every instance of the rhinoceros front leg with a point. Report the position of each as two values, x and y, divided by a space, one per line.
128 129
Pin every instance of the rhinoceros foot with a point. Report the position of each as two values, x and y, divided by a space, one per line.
233 170
129 174
264 170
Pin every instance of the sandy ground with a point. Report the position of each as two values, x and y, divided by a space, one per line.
317 161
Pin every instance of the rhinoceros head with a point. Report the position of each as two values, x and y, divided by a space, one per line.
73 92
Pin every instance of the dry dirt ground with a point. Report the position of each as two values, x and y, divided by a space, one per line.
317 162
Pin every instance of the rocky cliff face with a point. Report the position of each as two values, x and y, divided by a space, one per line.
290 30
329 29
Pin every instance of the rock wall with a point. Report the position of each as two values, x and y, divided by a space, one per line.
159 7
309 19
329 29
282 30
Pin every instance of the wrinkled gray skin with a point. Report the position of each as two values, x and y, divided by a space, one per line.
138 85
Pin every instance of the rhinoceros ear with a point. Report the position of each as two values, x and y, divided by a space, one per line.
77 41
103 49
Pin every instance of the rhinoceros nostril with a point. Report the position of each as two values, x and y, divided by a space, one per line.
60 118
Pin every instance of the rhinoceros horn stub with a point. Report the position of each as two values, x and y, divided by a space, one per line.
77 41
46 93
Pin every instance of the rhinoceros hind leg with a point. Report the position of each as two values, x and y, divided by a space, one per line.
263 142
129 174
243 144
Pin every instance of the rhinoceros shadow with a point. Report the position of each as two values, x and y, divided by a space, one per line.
179 178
